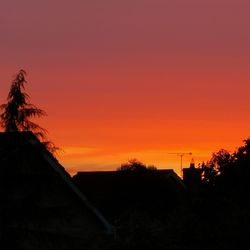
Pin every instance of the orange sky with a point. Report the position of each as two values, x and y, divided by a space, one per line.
132 79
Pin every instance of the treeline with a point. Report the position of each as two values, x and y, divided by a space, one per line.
226 171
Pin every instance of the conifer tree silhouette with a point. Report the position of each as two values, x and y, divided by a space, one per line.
18 111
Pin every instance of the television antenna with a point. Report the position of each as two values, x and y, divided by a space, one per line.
181 156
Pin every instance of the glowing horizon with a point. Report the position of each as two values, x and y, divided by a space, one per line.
132 79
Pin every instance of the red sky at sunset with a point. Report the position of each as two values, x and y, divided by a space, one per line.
132 79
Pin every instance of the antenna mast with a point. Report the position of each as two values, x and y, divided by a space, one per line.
181 156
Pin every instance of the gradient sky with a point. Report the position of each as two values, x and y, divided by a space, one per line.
124 79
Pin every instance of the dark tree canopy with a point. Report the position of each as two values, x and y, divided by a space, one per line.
134 165
225 166
216 166
17 113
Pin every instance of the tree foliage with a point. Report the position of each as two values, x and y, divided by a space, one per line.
17 113
223 165
134 165
242 155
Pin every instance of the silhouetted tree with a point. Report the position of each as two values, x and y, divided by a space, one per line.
209 173
242 155
222 159
216 166
134 165
18 111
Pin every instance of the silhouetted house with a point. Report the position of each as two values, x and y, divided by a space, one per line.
192 177
117 192
173 178
41 208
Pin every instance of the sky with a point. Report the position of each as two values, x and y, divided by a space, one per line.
123 79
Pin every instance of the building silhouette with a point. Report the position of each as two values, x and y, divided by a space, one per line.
192 177
41 208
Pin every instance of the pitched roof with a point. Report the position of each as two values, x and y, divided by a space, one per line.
109 176
34 182
115 192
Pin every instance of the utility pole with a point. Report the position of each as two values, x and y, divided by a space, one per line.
181 156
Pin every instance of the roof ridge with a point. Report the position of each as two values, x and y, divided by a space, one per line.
60 170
